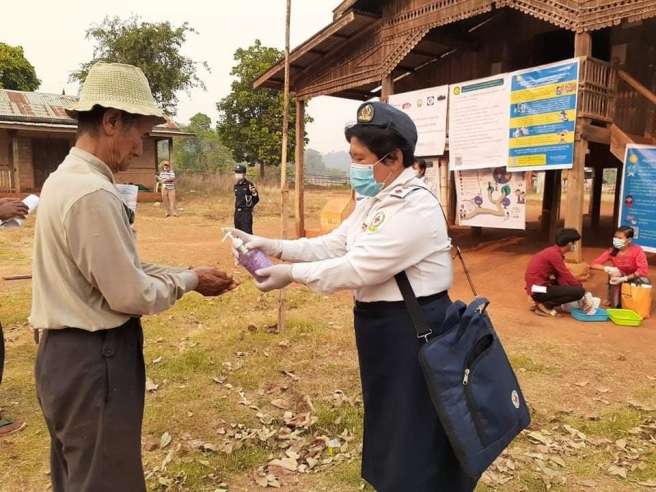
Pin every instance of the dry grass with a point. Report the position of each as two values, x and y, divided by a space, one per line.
199 339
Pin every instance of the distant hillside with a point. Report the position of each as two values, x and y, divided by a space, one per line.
340 161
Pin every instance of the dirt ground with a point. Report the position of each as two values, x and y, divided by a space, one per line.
223 379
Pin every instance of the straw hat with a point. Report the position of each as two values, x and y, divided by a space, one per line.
116 86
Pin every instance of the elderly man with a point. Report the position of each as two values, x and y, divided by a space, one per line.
90 289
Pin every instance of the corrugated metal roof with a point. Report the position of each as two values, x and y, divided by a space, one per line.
35 105
40 108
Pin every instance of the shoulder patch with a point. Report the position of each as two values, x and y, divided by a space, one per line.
404 191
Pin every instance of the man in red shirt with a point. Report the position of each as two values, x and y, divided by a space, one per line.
548 280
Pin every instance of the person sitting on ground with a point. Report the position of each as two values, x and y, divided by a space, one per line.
629 264
549 282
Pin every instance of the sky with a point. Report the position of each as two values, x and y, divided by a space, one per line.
52 35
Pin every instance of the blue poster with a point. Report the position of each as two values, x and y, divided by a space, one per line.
638 207
543 117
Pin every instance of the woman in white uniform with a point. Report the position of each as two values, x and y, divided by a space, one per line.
397 227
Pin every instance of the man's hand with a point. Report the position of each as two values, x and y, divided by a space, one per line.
618 280
11 208
270 247
213 282
274 277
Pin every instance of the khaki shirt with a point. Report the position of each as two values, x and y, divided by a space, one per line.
86 269
400 229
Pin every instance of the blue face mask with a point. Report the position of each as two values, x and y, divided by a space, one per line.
362 179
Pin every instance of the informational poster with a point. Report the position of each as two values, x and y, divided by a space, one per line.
478 123
543 117
491 198
432 178
638 207
427 108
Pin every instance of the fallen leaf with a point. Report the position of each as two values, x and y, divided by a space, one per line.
650 484
286 463
280 403
151 387
582 384
617 471
165 440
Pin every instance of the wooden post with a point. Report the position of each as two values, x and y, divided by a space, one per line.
387 89
576 175
284 189
299 185
15 158
551 204
444 182
597 186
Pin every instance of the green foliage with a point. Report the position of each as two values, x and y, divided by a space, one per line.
153 47
204 151
250 120
16 72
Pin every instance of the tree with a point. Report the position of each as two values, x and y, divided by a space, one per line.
204 151
314 162
250 120
16 72
153 47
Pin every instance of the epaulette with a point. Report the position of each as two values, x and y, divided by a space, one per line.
403 191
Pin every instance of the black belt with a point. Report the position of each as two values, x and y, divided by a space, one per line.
395 305
243 209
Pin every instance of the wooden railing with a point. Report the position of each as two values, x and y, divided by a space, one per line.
597 82
6 180
635 106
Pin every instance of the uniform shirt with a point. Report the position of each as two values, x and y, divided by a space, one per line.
632 260
400 229
164 176
86 269
547 263
246 196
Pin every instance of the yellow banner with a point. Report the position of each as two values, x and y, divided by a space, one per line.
544 92
543 119
528 160
540 140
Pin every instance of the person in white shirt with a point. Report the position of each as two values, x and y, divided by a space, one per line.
166 178
398 227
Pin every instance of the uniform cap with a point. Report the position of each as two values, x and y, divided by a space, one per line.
382 115
240 169
116 86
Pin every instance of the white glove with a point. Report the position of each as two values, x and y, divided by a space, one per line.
612 271
618 280
274 277
270 247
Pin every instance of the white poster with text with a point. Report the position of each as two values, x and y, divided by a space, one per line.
478 123
427 108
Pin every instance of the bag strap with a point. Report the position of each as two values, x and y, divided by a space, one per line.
414 308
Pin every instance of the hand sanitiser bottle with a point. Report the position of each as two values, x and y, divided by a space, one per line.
251 259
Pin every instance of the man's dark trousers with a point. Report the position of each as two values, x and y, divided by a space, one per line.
91 388
244 220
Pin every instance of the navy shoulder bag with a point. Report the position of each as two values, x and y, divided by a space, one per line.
470 380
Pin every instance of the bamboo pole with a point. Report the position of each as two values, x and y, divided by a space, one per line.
299 189
284 188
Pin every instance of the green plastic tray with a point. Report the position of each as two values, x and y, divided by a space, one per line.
624 317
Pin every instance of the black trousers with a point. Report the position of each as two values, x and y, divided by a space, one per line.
91 388
405 447
244 220
557 295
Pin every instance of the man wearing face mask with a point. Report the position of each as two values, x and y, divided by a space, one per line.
90 289
548 280
246 198
396 227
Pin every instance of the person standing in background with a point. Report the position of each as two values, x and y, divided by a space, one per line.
166 178
10 208
246 198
